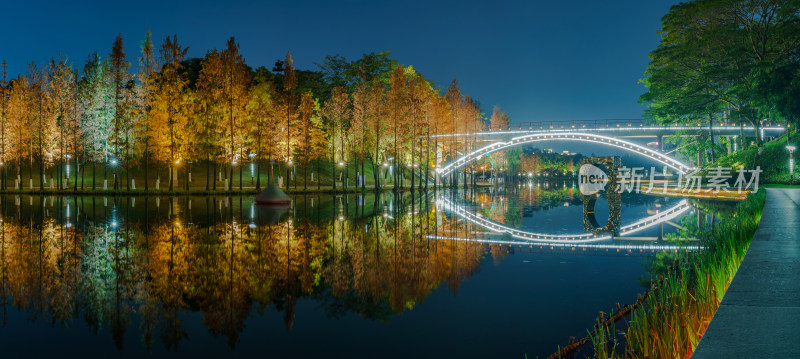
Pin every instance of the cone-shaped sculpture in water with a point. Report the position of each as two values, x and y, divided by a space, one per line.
273 195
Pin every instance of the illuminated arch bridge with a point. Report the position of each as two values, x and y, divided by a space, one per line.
480 153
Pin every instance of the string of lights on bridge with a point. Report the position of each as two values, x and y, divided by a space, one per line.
475 155
611 126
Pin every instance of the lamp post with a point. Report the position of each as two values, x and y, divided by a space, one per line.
382 179
67 167
252 168
113 166
341 164
294 174
791 163
288 170
388 167
175 174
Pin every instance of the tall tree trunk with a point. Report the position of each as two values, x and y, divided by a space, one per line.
271 175
363 176
757 130
215 170
230 180
711 136
146 165
333 169
258 173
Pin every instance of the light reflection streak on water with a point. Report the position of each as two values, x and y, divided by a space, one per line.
617 246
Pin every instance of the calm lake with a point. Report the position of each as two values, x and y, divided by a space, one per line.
423 275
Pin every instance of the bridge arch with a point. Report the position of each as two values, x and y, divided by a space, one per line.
475 155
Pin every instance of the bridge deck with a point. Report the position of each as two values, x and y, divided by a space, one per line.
626 128
759 315
624 124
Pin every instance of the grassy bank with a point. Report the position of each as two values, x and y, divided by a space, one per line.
203 192
201 177
669 318
680 305
773 160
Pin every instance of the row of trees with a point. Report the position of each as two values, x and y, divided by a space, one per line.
535 161
526 160
176 112
726 61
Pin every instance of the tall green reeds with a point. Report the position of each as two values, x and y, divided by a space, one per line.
678 307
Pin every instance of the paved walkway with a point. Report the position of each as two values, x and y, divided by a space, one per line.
759 316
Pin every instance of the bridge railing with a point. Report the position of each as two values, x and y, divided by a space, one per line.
611 123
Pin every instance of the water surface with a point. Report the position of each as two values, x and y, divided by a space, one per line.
356 276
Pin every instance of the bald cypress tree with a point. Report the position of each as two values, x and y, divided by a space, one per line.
236 80
290 101
119 77
61 90
4 90
40 124
147 75
169 118
454 104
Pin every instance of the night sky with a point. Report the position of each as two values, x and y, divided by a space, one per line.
540 61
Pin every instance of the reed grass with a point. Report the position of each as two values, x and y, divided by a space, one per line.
673 314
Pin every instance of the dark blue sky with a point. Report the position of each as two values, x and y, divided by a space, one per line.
555 60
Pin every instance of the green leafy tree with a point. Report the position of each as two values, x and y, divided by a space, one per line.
118 71
148 72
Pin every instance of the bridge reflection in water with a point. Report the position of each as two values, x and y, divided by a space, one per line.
514 236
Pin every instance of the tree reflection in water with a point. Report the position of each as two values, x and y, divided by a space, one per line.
111 262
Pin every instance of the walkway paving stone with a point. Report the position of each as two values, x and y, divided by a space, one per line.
759 316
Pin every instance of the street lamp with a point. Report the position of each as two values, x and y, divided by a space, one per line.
252 167
791 163
290 163
342 165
